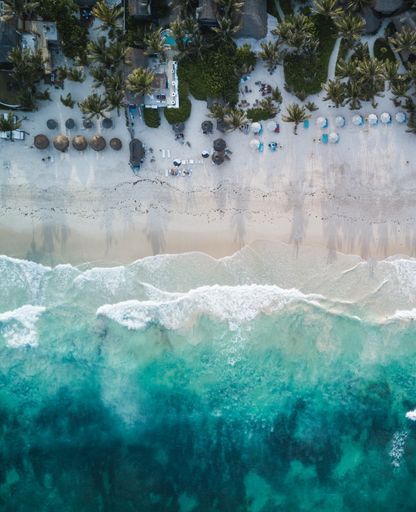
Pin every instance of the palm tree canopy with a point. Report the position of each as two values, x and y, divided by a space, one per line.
403 41
298 33
140 81
9 123
350 27
327 8
94 106
106 14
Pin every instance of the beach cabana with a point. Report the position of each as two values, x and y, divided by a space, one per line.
41 141
219 145
207 127
79 142
271 126
116 144
401 117
51 124
136 153
256 127
218 157
70 124
357 120
97 142
107 123
254 144
178 127
61 143
340 121
87 124
385 118
372 120
333 138
322 122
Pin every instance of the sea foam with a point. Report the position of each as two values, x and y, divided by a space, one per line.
19 326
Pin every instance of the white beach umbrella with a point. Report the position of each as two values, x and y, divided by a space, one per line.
340 121
271 126
205 153
177 162
254 144
357 120
333 137
255 127
385 118
322 122
372 119
401 117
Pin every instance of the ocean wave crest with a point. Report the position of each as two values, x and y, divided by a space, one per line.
18 327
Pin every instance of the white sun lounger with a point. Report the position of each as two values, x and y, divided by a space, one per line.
168 153
163 153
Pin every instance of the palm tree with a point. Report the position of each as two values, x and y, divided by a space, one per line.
99 74
296 114
311 106
230 8
345 69
391 69
108 15
97 50
327 8
67 100
359 5
335 91
277 95
371 75
22 8
115 99
298 33
140 81
226 30
9 124
114 82
354 95
400 89
270 54
185 7
27 68
218 111
350 27
404 41
94 106
235 118
155 42
411 124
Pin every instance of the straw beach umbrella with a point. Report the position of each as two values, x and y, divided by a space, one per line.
70 124
61 143
41 141
357 120
340 121
219 145
97 142
87 123
107 123
79 142
401 117
372 120
51 124
385 118
116 144
218 157
207 127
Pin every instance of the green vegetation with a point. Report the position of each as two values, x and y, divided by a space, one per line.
286 6
343 51
305 73
260 114
181 114
8 93
383 51
151 117
271 9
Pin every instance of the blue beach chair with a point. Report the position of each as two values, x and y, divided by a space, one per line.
261 147
306 124
324 138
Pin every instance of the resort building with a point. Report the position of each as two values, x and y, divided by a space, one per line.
139 9
42 36
165 85
253 19
206 13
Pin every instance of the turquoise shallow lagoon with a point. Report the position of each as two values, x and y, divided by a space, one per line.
182 383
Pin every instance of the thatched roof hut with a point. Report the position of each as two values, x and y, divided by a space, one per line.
107 123
61 143
219 145
116 144
253 19
97 142
70 124
207 13
80 142
87 123
207 127
41 141
178 127
136 152
218 157
51 124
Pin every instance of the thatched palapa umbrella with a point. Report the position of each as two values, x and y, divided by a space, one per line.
51 124
70 123
178 127
207 127
79 142
87 123
219 145
218 157
107 123
41 141
61 143
97 142
116 144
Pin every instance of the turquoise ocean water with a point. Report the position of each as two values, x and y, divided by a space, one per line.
183 383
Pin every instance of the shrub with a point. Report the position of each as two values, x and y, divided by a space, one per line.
383 51
181 114
286 6
259 114
192 71
151 117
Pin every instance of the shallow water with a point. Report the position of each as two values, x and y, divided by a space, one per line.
183 383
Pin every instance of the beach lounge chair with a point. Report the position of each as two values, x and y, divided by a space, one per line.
325 138
261 147
306 124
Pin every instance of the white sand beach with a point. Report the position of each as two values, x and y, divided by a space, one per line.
357 196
